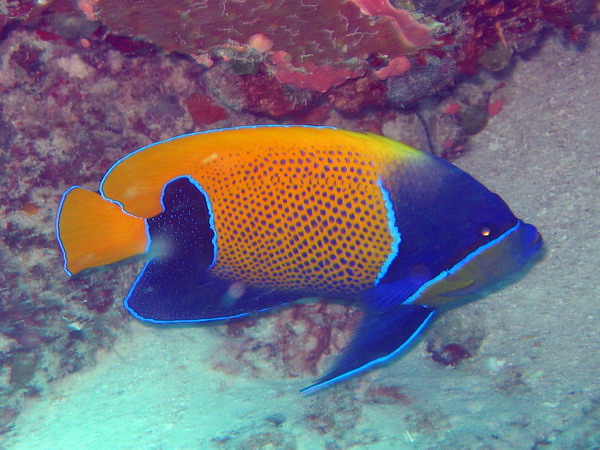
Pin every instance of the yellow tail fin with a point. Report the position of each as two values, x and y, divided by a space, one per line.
93 231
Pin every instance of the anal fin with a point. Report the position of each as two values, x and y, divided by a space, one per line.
381 335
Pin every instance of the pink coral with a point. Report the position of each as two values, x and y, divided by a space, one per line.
414 33
313 44
318 78
21 10
204 110
397 66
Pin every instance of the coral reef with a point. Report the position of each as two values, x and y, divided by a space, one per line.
258 93
82 84
494 30
66 114
21 10
315 45
319 45
419 47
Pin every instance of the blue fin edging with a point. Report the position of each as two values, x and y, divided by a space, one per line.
423 317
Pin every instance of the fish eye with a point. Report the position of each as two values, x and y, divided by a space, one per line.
485 231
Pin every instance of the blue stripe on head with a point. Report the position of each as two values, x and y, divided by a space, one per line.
462 262
483 248
396 235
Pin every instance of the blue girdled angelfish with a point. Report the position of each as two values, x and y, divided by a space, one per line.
241 220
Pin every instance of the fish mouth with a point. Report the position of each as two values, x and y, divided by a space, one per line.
537 240
532 238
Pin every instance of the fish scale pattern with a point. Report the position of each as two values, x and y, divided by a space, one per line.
298 218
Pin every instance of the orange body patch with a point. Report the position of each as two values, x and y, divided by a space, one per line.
311 214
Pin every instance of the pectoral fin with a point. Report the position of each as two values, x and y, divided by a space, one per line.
379 337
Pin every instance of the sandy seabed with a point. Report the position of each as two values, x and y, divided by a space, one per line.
535 381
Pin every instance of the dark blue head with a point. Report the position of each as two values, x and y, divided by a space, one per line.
457 235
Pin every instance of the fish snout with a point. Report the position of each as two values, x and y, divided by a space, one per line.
532 239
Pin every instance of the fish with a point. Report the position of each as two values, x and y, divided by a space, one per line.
241 220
